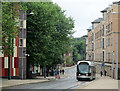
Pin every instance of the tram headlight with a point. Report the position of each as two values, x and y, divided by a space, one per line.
86 74
79 74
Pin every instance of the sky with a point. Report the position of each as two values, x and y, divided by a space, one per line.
83 12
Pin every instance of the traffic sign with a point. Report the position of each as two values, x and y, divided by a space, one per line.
102 64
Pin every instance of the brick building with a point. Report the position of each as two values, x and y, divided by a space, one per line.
68 57
105 32
18 59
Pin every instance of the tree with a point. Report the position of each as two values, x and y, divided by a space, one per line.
68 59
49 33
9 26
79 48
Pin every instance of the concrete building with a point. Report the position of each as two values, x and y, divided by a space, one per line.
106 34
22 46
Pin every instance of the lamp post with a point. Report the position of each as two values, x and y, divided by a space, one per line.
116 50
113 64
22 42
117 59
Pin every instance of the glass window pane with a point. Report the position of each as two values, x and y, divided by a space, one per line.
21 42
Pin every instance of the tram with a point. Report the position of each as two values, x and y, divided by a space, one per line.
85 70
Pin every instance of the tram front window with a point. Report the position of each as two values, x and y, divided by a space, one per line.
84 68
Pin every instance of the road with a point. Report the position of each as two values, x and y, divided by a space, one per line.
69 82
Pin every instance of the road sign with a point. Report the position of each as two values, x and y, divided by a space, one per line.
102 64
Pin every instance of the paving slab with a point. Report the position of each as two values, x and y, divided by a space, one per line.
103 82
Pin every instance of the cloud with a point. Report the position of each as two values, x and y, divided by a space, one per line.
79 32
83 12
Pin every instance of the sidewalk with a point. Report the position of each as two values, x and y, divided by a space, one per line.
103 82
14 82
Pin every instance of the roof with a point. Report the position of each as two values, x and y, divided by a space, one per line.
105 10
85 36
90 28
118 3
97 20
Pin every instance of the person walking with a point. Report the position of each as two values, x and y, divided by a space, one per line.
57 74
101 73
60 71
105 72
63 71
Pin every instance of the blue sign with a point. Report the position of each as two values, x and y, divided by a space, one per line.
102 64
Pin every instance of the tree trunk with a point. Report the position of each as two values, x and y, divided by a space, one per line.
9 67
29 72
45 71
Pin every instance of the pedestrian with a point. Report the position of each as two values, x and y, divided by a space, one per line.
101 73
57 71
105 72
63 71
60 71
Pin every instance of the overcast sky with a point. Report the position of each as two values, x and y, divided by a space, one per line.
83 12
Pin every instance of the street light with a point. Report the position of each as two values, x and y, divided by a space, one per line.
116 50
31 13
113 64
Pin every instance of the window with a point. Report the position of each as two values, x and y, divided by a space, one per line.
108 56
103 55
83 68
21 23
103 30
103 43
20 42
92 36
111 26
93 56
92 46
108 41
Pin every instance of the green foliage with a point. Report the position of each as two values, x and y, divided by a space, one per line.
10 21
68 59
79 48
49 33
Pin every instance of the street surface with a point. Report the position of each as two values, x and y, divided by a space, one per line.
69 82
